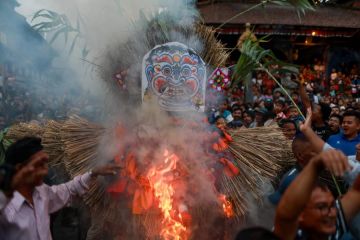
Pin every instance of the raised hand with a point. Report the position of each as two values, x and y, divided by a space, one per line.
306 125
333 160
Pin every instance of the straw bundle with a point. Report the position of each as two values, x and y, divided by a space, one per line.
80 140
22 130
52 143
261 154
213 52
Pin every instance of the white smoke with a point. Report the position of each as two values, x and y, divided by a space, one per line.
105 26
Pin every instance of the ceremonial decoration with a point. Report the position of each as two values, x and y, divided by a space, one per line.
176 75
220 79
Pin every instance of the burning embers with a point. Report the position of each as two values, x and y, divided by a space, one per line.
160 178
227 206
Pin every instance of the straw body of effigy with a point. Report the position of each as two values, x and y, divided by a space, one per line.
261 154
214 53
22 130
51 140
72 145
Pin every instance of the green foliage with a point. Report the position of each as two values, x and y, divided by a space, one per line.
254 57
58 25
301 6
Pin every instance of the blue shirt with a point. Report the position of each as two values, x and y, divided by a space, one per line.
339 141
284 184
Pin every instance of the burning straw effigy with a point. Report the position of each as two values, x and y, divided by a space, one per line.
180 178
260 154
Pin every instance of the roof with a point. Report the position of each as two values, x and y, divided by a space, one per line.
271 14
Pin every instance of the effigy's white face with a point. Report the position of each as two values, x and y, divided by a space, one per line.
176 75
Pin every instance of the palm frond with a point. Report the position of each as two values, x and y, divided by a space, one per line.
58 25
253 57
301 6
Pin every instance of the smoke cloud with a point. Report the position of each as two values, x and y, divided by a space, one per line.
114 32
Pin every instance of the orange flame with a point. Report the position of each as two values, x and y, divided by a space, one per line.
172 226
227 206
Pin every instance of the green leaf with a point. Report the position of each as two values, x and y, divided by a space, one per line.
73 43
38 13
301 6
64 30
253 57
46 26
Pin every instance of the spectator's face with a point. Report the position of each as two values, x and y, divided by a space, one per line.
334 124
276 95
295 97
335 110
293 113
327 100
303 153
319 216
223 107
278 107
237 114
40 169
289 130
259 117
351 126
247 119
220 123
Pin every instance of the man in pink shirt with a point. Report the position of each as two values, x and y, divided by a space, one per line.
26 216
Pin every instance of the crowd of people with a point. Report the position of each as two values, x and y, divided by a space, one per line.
322 121
309 205
25 101
264 103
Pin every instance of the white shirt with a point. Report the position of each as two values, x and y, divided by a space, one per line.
351 175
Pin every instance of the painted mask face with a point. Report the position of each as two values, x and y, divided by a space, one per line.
176 75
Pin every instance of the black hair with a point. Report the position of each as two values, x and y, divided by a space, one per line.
282 122
256 233
21 150
325 110
299 139
281 102
320 183
250 113
235 107
337 116
352 113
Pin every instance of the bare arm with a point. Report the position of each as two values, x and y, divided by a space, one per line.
304 97
294 201
60 195
315 140
298 193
